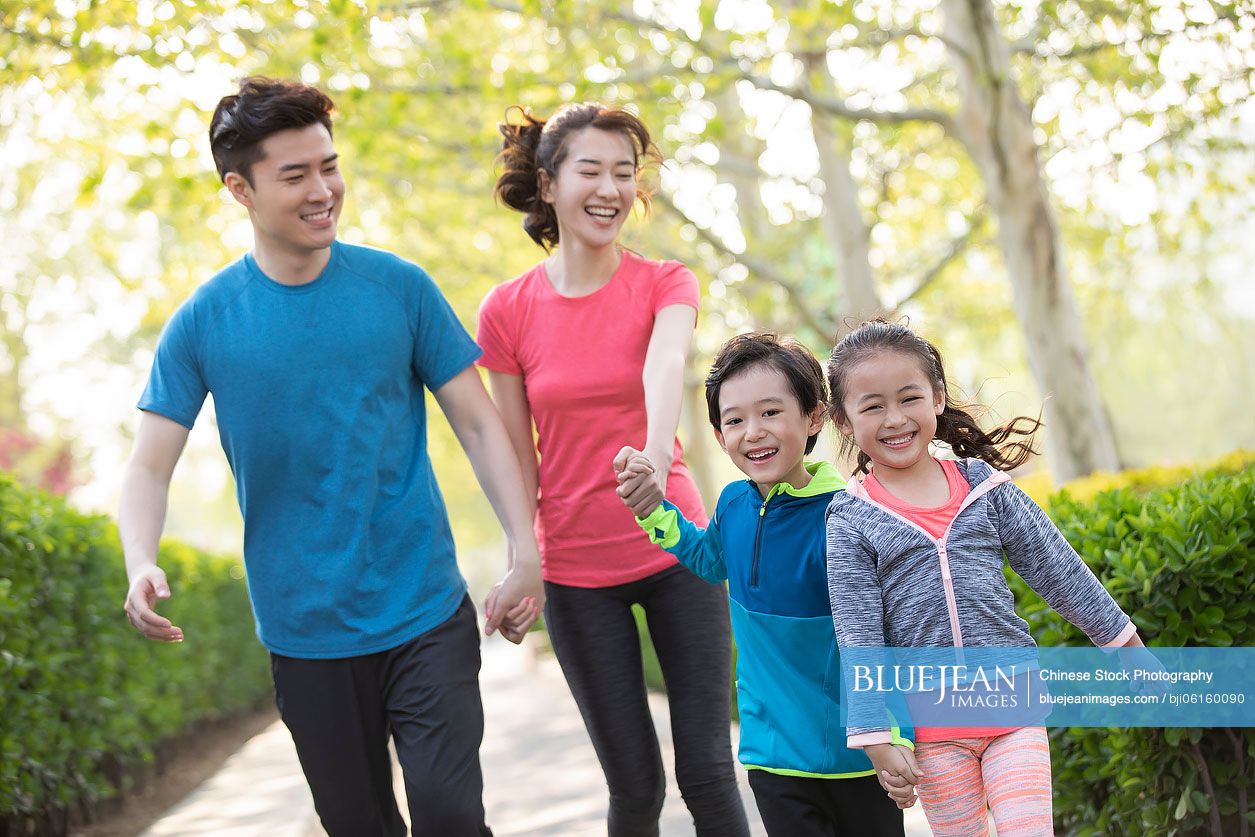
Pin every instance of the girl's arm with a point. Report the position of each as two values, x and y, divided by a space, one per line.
1044 558
663 377
858 617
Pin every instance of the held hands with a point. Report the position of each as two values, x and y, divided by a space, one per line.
516 601
897 771
641 485
149 585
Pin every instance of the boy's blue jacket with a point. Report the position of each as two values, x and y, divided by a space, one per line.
773 554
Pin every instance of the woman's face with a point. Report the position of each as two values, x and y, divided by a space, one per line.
594 188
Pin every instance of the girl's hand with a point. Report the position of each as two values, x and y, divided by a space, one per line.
897 771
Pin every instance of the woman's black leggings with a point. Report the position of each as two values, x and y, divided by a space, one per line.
595 638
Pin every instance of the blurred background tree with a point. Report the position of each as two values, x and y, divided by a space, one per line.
1057 192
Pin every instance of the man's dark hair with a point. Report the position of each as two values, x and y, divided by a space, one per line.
784 354
263 106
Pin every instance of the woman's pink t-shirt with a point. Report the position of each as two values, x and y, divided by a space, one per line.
581 360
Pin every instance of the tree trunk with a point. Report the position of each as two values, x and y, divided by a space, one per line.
997 129
843 223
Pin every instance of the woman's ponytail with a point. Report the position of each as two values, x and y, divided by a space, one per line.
518 187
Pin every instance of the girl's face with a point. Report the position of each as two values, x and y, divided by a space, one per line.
594 189
891 410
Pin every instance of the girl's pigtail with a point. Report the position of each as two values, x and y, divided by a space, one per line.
1005 447
518 186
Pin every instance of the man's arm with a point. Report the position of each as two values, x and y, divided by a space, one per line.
483 436
145 488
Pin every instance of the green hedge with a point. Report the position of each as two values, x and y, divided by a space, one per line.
83 698
1180 561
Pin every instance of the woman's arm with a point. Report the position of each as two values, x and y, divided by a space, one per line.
511 399
479 430
663 376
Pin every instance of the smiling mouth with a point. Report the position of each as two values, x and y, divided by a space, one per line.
761 455
322 215
899 441
601 211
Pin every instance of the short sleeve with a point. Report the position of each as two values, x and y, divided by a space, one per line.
176 385
499 350
442 346
675 285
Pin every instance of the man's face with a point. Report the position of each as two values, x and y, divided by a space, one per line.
297 190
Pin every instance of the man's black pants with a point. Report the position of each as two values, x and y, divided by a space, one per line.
424 693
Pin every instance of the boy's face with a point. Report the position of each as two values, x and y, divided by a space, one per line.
763 429
297 190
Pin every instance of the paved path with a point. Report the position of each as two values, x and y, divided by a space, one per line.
540 773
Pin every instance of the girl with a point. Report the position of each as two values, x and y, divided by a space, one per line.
590 344
915 560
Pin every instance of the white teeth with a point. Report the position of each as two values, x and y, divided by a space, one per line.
601 212
897 441
318 216
762 454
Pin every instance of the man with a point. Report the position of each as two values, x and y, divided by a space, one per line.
317 354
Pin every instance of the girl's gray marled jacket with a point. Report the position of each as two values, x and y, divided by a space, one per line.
893 584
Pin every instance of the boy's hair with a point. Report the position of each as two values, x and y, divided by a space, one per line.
533 144
263 106
784 354
956 426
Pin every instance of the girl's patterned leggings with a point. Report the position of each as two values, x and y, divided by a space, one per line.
1008 775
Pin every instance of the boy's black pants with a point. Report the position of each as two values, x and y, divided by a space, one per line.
799 806
425 694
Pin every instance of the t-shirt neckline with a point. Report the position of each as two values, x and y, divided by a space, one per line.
279 287
547 284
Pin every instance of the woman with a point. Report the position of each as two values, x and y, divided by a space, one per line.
590 344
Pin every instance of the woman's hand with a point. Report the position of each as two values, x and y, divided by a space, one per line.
640 488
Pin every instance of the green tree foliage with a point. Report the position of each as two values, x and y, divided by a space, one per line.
108 199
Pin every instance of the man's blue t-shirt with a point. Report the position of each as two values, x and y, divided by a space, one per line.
318 390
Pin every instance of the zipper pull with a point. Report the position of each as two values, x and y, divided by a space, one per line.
762 510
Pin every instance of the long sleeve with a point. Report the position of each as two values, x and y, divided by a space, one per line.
858 618
1043 558
697 549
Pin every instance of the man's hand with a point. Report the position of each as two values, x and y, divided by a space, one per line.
897 771
517 600
149 585
640 487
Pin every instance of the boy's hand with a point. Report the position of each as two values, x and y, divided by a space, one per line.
897 771
638 489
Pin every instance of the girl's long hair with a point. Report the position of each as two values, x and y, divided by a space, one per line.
1005 447
532 145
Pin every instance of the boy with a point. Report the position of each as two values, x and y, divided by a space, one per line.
317 354
765 397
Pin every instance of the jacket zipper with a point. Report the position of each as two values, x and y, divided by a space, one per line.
947 582
758 538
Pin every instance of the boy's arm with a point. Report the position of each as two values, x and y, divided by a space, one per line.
145 491
1040 554
482 435
696 548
